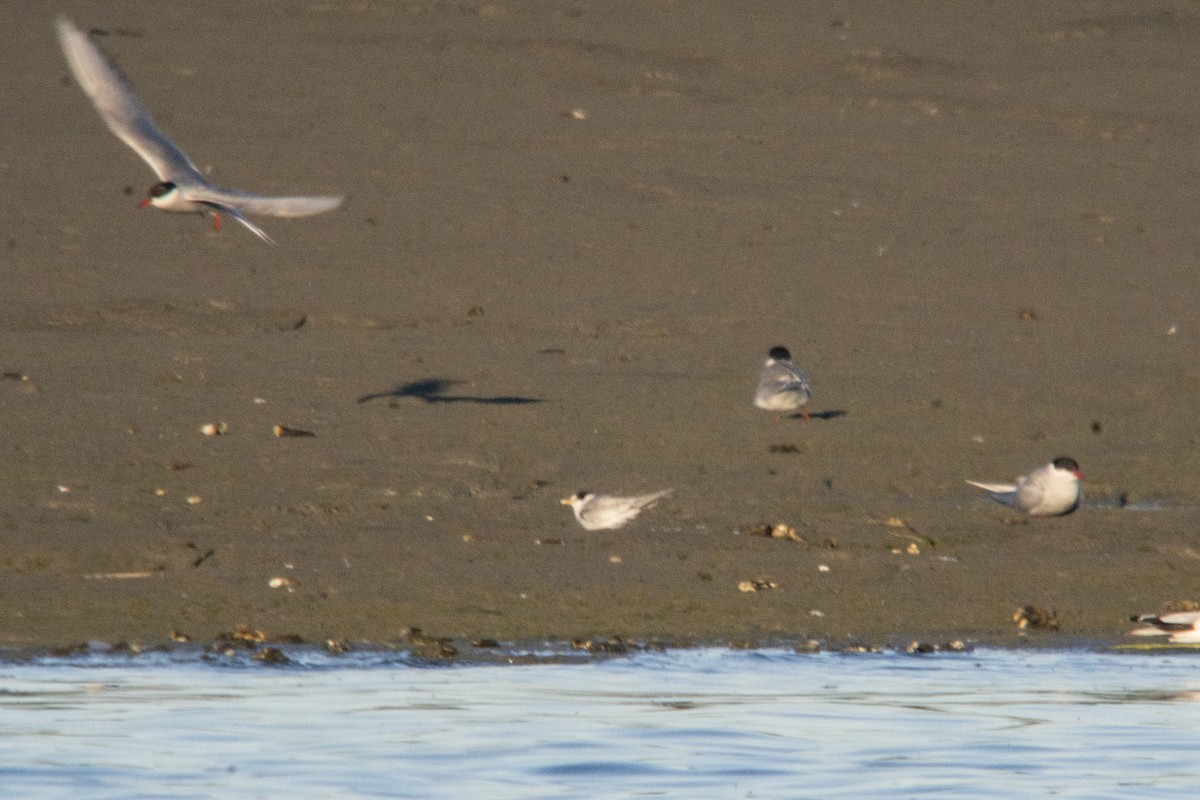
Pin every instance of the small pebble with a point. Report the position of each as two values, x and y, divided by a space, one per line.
757 585
283 430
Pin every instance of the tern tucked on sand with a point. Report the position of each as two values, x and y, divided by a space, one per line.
1048 491
1181 627
181 188
598 512
782 386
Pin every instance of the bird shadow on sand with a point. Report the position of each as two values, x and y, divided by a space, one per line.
434 391
824 416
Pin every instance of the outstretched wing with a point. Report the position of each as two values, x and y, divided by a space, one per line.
120 107
250 203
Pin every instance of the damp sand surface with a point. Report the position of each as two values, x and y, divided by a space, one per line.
572 233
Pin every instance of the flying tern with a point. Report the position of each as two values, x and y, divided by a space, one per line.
182 188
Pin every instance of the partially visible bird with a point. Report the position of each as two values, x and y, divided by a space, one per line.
1180 627
182 187
597 512
1048 491
782 386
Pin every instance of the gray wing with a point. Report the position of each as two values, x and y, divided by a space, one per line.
120 108
648 500
614 512
1005 493
781 377
1030 491
250 203
605 504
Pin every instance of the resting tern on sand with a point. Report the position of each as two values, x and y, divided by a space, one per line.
598 512
1048 491
181 187
782 386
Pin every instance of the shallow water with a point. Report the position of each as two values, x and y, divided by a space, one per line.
689 723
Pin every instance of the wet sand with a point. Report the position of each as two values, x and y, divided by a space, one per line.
572 233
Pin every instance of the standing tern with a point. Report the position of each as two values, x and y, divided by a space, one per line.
1048 491
181 187
782 386
598 512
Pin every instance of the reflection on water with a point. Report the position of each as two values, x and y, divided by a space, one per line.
700 723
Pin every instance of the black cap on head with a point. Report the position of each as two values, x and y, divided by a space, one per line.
582 493
1064 462
779 352
159 189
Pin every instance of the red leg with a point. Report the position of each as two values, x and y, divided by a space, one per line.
216 222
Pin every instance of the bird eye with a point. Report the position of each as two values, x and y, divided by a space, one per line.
159 189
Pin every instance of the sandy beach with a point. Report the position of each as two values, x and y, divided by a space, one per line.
572 233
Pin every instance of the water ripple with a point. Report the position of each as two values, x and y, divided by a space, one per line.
697 723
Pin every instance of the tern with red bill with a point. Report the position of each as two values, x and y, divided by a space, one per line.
1048 491
182 188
